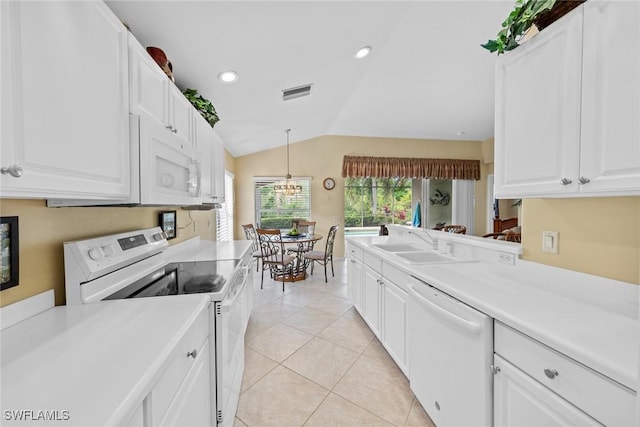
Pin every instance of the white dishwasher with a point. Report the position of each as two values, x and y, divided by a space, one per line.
450 357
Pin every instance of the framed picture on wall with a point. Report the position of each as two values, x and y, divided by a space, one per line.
167 221
9 251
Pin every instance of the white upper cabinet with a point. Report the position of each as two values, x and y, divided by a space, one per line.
154 95
64 93
567 107
218 171
204 145
211 150
610 145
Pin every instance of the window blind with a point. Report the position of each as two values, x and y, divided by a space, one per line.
224 215
276 211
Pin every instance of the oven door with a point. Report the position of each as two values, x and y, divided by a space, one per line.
232 315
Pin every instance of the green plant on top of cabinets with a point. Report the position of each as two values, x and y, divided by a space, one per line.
521 18
203 105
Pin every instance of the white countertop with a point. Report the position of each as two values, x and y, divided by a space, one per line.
96 361
579 315
196 249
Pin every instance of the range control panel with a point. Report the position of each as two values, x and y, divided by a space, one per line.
101 255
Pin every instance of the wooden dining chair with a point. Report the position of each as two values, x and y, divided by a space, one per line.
324 257
274 257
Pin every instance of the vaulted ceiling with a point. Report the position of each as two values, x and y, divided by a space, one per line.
427 76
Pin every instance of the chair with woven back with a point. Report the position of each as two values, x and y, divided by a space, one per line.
274 257
303 227
458 229
324 257
250 234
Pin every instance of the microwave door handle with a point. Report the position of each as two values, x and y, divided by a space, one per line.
472 327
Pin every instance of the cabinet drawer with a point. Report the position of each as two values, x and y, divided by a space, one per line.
600 397
178 366
355 251
373 262
396 276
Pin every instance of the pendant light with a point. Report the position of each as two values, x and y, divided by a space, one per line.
287 187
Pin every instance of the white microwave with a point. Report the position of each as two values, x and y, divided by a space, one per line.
165 170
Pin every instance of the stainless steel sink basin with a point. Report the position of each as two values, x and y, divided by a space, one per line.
425 257
398 247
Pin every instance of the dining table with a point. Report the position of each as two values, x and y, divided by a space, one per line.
303 242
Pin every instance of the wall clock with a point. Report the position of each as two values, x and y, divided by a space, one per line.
329 184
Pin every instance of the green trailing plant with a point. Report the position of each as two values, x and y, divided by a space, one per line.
203 105
521 18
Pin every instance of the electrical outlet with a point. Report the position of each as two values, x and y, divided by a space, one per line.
550 242
506 258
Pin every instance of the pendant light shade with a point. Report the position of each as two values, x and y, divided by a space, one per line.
287 187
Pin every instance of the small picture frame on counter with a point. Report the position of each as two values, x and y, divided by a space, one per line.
9 252
167 221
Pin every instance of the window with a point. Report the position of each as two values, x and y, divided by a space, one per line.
369 202
224 215
277 211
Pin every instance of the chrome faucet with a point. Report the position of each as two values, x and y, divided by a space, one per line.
426 238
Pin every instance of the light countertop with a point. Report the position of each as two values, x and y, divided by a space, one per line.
96 361
589 319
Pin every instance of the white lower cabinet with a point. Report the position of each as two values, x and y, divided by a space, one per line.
181 396
191 405
534 385
394 322
354 275
371 299
519 400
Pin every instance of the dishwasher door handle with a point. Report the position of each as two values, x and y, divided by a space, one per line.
472 327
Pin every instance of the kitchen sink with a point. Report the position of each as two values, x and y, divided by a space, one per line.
425 257
398 247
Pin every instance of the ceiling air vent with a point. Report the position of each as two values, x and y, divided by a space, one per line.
296 92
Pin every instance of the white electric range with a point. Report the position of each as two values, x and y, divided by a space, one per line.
138 264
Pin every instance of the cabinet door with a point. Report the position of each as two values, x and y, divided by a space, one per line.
218 171
181 114
204 146
191 406
519 400
149 85
354 283
537 120
64 90
394 323
610 152
371 299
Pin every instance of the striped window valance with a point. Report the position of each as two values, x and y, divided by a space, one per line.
409 167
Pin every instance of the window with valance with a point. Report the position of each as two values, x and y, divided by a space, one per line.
410 167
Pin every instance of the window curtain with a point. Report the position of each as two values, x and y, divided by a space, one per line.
409 167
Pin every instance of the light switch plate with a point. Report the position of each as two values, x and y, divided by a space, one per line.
550 242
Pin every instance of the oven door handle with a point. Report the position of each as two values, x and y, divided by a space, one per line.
225 306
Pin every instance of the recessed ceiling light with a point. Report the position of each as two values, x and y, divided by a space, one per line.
228 76
461 132
362 52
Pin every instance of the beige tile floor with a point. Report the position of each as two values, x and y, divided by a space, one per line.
310 360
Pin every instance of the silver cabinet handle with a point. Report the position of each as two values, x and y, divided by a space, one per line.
565 181
495 369
170 127
551 373
193 353
13 170
582 180
174 130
